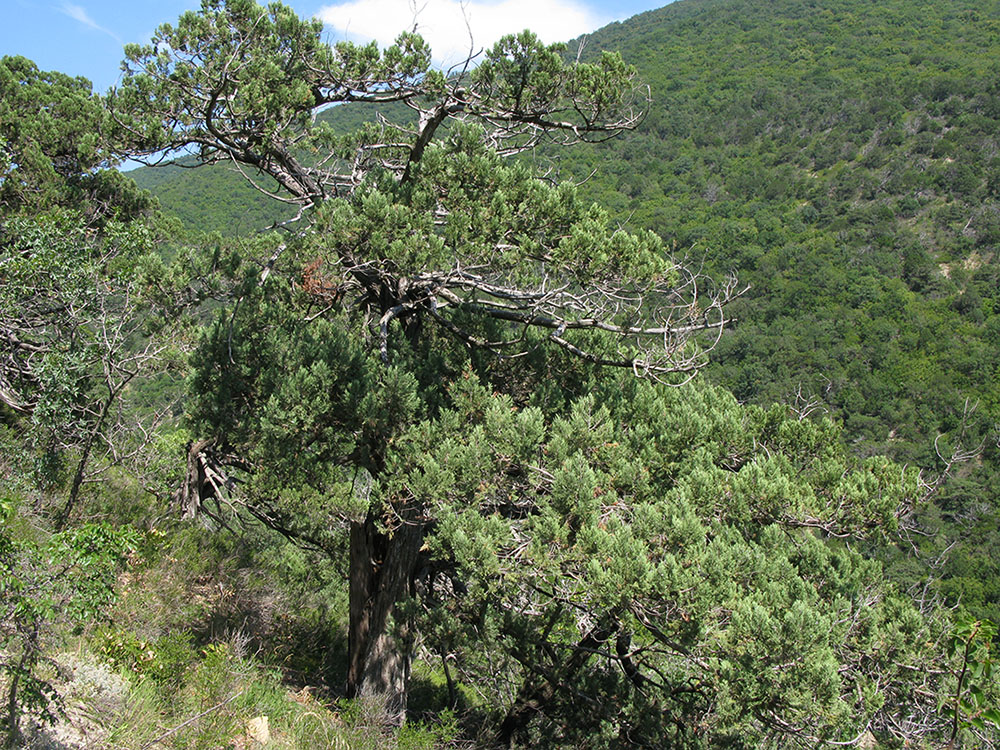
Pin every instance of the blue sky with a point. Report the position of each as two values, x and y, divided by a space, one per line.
85 37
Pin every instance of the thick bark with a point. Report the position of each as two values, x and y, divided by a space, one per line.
382 568
381 573
197 487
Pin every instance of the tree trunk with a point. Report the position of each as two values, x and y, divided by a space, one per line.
24 666
81 466
381 574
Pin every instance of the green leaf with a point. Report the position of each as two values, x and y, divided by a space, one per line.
992 715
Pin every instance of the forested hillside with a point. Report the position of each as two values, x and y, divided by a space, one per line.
693 446
843 159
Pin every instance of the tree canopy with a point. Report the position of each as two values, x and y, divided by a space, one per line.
55 146
439 227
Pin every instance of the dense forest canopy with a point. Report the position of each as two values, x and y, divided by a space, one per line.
447 460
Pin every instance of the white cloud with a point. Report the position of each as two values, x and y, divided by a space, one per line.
79 13
447 24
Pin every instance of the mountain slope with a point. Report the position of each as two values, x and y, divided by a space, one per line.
843 158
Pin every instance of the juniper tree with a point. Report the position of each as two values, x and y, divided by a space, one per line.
434 367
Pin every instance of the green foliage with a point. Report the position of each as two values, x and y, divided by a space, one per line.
975 701
574 557
822 178
74 320
72 313
816 190
218 198
682 528
594 557
55 145
283 63
163 661
214 198
838 159
66 577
